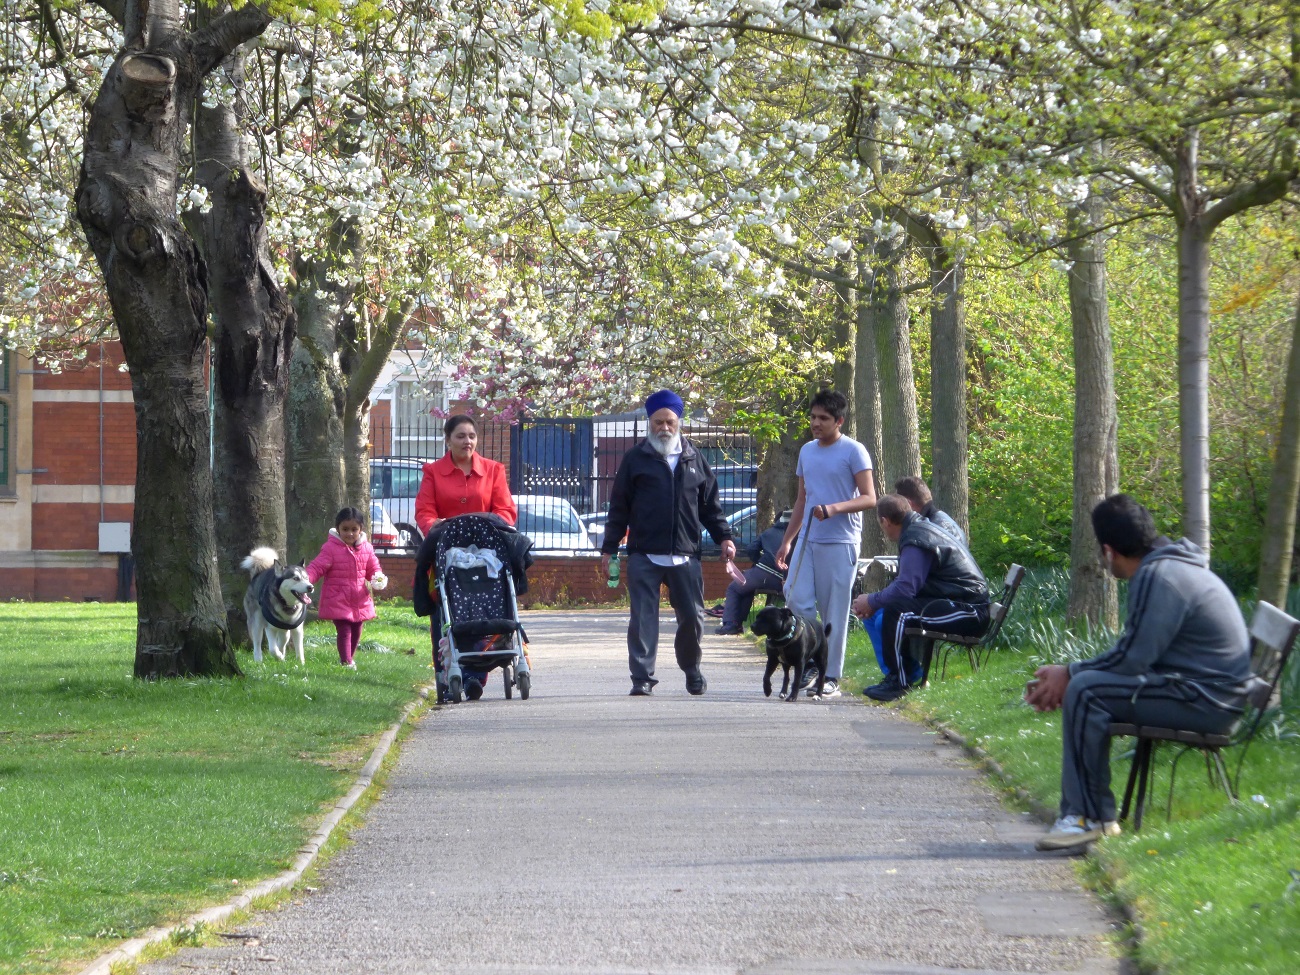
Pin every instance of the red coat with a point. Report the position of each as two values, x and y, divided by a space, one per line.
446 490
344 571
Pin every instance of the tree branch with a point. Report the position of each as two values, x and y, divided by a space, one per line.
214 43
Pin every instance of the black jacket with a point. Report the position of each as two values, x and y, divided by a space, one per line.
953 574
764 550
664 509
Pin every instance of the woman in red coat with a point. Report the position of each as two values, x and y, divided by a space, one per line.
462 482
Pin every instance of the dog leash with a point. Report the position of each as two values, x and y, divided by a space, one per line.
803 541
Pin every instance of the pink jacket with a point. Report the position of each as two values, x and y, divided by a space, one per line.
344 571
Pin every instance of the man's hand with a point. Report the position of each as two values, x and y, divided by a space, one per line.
729 549
604 564
1049 691
862 606
782 556
823 511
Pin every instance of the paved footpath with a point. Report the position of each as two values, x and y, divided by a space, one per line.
584 831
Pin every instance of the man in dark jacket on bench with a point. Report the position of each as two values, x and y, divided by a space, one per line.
938 587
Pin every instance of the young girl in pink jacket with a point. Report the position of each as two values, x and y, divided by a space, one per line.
347 570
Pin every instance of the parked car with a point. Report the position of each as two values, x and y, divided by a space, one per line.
552 524
383 533
737 487
744 532
395 482
596 526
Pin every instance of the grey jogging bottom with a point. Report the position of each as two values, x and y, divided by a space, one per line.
1094 699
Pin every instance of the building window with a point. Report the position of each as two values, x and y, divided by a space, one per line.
6 422
417 432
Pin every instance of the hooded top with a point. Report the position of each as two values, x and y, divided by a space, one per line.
344 571
1183 622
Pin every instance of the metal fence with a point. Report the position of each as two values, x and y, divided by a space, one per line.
574 458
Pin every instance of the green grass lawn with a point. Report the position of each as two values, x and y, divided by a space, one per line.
126 804
1216 888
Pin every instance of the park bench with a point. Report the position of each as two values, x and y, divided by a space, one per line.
975 646
1273 635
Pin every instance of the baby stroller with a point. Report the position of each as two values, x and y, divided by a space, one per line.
480 618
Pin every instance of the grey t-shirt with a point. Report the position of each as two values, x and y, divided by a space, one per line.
829 476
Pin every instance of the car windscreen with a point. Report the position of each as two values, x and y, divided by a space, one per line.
548 519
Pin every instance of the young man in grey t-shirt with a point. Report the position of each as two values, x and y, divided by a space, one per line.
835 487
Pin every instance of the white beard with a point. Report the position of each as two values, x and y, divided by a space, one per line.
663 447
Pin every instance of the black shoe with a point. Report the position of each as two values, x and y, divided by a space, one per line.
696 685
809 678
473 689
889 689
641 688
729 630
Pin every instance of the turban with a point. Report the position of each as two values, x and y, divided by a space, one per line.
665 397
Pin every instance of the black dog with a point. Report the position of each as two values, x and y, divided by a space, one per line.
793 642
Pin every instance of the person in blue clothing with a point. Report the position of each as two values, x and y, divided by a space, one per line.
763 576
919 497
663 492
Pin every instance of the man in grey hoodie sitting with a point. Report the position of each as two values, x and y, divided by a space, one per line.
1183 661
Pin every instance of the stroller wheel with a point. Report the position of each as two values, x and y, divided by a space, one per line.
509 673
453 690
525 685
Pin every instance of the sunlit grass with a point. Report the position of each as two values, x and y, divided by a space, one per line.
124 804
1212 887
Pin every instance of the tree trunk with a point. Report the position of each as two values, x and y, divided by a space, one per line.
317 485
900 431
949 475
157 283
254 335
845 356
777 484
1193 345
1283 489
866 399
1093 592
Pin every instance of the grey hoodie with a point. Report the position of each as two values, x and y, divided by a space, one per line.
1183 624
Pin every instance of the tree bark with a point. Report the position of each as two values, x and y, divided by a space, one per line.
899 428
254 330
866 399
1093 592
949 447
1194 378
777 484
157 284
316 484
1283 489
845 356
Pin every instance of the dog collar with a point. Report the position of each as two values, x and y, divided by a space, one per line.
272 612
794 628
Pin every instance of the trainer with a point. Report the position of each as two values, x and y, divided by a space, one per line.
1183 661
663 492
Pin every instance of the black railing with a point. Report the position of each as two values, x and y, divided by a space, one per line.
573 458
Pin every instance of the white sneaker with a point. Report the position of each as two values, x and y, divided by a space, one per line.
1074 832
830 689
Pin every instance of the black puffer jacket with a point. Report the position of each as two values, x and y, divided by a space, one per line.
664 508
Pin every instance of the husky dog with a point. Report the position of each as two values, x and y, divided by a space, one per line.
276 603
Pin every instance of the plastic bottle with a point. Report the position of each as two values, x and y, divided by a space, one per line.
613 572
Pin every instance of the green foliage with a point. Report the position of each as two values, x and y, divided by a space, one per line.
578 17
125 804
1022 408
